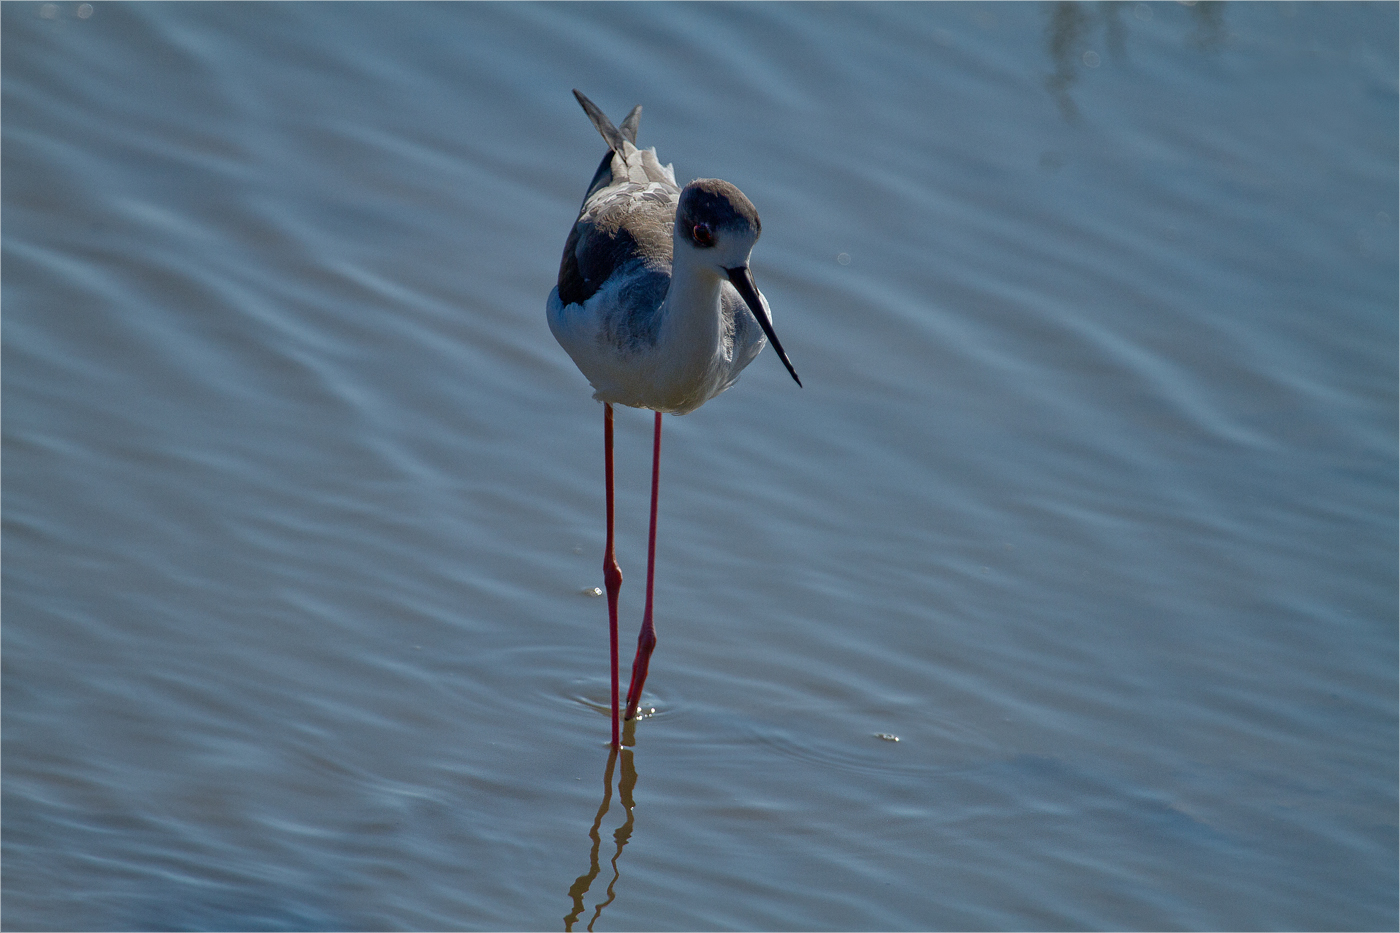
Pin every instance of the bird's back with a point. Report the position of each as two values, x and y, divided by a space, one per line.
627 215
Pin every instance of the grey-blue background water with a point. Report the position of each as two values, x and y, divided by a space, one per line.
1090 497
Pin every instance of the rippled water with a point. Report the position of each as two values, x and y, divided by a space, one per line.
1090 498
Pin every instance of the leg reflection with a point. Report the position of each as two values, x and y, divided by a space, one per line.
580 886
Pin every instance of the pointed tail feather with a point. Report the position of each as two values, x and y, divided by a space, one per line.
620 140
629 125
605 126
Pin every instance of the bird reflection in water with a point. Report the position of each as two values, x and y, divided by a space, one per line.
620 836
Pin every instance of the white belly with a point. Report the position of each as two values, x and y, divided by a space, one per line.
675 367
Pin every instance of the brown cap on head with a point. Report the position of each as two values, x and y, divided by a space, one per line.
718 204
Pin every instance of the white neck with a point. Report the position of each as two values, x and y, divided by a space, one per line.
692 315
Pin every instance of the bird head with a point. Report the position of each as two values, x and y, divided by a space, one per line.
717 227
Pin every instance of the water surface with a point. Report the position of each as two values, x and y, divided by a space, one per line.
1089 499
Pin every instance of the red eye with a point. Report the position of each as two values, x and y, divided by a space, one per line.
702 235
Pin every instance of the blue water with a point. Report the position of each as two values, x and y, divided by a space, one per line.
1090 497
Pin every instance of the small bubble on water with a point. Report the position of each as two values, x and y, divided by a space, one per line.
48 10
1091 59
888 737
592 591
84 10
843 259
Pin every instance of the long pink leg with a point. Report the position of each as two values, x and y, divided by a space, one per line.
646 640
612 574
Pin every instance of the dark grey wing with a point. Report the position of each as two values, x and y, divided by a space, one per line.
626 223
601 178
630 224
594 251
639 303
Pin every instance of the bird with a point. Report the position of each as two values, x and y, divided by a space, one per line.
657 306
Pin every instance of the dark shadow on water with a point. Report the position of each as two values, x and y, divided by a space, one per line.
1068 25
1070 39
579 889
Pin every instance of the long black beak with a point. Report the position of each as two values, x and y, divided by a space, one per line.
742 280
